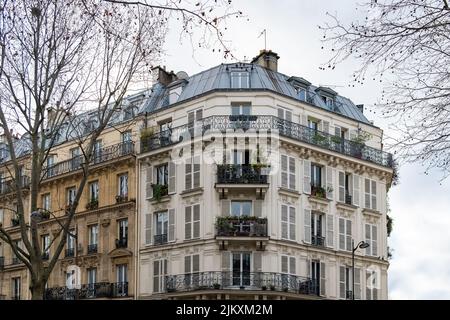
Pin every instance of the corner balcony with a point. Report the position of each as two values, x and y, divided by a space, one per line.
241 230
269 282
222 123
88 291
241 176
9 186
104 155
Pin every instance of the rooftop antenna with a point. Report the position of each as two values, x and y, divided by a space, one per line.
265 38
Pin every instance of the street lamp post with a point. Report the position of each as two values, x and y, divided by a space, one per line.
362 245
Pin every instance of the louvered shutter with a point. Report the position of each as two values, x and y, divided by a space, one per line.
337 131
280 113
257 262
373 244
367 193
225 261
171 236
284 264
292 224
196 221
341 186
148 183
341 234
374 195
368 237
342 282
257 208
284 171
322 279
357 292
191 117
356 190
197 173
284 222
292 173
330 230
199 115
330 182
326 127
292 265
225 207
348 231
172 179
148 228
187 222
195 263
307 225
188 174
304 120
307 176
187 264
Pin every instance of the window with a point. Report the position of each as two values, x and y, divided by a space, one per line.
75 158
318 277
288 172
301 93
46 202
241 268
317 222
127 143
372 285
50 163
16 288
194 122
93 191
192 173
125 136
285 121
91 280
71 279
93 238
3 152
288 222
174 94
241 208
345 234
1 216
122 233
316 175
313 124
370 194
371 238
123 185
121 288
70 244
241 157
288 265
161 227
162 174
240 80
241 109
288 270
129 111
45 246
328 101
345 283
191 270
70 194
159 273
192 222
345 187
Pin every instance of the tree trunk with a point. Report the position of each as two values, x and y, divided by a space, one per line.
37 291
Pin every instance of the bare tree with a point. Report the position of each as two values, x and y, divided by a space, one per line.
72 56
405 42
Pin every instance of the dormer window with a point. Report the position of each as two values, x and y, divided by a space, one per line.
174 94
328 101
91 124
129 112
240 80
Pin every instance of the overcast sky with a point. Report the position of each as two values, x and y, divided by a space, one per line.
420 205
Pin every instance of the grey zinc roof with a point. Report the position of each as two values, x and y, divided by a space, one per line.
219 78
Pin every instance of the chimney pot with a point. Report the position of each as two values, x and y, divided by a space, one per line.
267 59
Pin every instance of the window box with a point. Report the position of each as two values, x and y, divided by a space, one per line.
92 205
121 198
160 191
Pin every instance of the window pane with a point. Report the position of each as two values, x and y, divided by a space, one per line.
246 110
235 208
246 208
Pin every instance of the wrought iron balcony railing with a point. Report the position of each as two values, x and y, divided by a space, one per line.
317 240
92 248
348 294
9 186
88 291
348 198
103 155
283 127
229 280
160 239
241 227
121 243
70 252
240 174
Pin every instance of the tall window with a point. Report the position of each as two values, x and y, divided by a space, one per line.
93 238
191 269
241 208
46 202
345 283
91 281
159 273
70 195
45 246
315 276
97 151
240 80
316 175
288 222
16 288
93 191
123 185
123 233
288 270
288 172
192 173
49 164
76 158
71 279
370 194
70 244
317 221
241 109
122 280
345 234
161 227
192 222
241 268
313 124
372 285
301 93
371 236
162 174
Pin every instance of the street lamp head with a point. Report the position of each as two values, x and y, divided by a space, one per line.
364 245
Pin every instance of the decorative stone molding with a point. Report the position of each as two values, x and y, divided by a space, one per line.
106 222
319 204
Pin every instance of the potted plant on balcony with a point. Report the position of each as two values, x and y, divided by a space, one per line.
45 214
159 190
319 139
93 204
318 191
358 142
146 136
121 198
216 286
336 139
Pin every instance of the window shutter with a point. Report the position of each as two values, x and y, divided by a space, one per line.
148 183
322 279
356 190
337 131
171 236
257 208
342 282
288 116
330 230
226 207
196 221
307 223
292 265
187 264
292 223
326 127
368 285
307 176
292 173
191 117
304 120
148 228
188 174
374 194
187 222
329 183
374 241
156 276
284 221
284 264
172 180
341 186
349 235
280 113
195 263
199 115
257 262
341 234
308 268
196 173
225 261
367 193
367 231
284 173
357 292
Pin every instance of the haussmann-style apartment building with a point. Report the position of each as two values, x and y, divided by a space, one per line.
235 183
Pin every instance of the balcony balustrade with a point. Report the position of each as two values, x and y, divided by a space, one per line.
317 240
240 174
92 248
88 291
9 186
241 227
70 252
160 239
121 243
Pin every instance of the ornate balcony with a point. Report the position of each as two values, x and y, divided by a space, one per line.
317 240
219 280
241 229
324 140
9 186
88 291
70 252
159 239
103 155
92 248
121 243
240 174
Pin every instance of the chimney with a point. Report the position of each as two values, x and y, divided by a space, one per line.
163 76
360 107
267 59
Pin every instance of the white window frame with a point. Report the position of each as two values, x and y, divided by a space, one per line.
345 234
288 172
371 237
46 201
370 196
93 190
159 273
71 194
93 234
290 222
192 222
240 76
123 184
